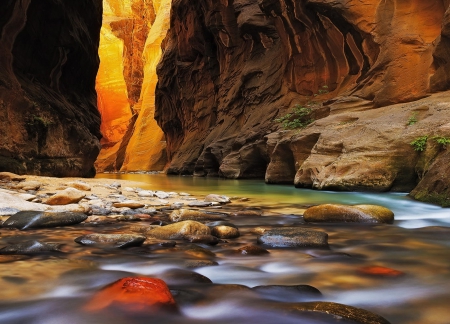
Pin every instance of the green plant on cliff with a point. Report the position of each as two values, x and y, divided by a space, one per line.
420 143
443 141
299 117
412 120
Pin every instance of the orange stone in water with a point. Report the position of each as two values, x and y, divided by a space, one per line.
134 294
380 271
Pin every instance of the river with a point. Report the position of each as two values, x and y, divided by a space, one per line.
55 289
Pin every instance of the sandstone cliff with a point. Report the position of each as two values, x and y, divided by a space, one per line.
230 68
130 47
49 122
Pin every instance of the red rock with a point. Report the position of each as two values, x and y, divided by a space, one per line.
380 271
134 294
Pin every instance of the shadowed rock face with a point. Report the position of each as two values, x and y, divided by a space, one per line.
49 123
230 68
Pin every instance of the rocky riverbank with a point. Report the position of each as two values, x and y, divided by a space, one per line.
136 253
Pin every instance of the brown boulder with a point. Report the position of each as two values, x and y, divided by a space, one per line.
179 231
65 197
332 213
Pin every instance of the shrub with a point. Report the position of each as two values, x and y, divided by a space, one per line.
299 117
441 140
412 120
420 143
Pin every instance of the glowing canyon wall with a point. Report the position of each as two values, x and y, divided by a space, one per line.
130 48
49 122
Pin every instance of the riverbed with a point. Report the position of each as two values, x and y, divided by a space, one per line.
55 288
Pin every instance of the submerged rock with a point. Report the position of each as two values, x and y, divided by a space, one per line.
205 239
134 294
188 214
217 198
30 247
293 237
37 219
252 250
184 277
65 197
332 213
339 311
288 293
118 240
199 263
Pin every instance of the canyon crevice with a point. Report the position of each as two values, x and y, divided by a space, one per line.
49 122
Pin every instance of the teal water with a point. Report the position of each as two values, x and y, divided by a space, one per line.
286 198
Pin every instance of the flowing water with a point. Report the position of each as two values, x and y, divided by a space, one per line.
55 288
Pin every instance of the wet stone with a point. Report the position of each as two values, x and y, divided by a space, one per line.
199 263
133 204
252 250
168 244
96 210
184 277
179 231
225 232
356 315
199 204
188 214
12 258
379 271
220 223
217 198
293 237
335 213
65 197
205 239
249 212
128 218
30 247
196 251
294 293
35 219
80 185
117 240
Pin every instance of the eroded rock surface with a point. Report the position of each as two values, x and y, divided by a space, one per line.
49 122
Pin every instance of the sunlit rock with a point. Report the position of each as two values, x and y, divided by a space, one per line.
332 213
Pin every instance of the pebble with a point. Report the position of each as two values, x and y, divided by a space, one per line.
146 193
199 204
161 195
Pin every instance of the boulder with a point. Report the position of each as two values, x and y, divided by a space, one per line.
38 219
334 213
12 201
65 197
9 176
188 214
117 240
29 185
179 231
293 237
134 294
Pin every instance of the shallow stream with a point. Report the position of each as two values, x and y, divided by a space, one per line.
55 288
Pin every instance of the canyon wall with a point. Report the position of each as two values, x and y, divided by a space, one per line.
130 47
230 68
49 122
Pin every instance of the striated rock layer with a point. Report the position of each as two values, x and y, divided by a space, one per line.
131 35
230 68
49 122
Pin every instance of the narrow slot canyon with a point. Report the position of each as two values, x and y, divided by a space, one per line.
130 49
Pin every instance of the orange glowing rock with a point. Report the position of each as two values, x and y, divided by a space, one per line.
134 294
380 271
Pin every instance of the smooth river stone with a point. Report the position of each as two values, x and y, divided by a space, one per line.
293 237
225 232
30 247
340 311
288 293
118 240
179 231
187 214
37 219
139 294
217 198
335 213
133 204
65 197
